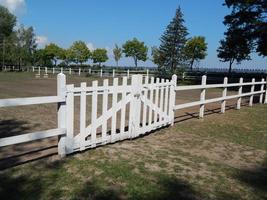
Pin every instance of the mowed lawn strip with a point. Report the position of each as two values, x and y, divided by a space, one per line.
220 157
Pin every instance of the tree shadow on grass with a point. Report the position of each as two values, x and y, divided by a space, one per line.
170 188
256 179
12 127
29 185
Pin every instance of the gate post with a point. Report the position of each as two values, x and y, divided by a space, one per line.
135 109
61 113
172 98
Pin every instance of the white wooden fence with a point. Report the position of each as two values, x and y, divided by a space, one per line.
133 107
97 72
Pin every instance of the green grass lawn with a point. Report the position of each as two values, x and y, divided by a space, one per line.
220 157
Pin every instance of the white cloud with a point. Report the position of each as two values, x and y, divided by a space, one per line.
41 41
14 6
90 46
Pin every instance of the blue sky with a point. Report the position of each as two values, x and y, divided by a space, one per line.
102 23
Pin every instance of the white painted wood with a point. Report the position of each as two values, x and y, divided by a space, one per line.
239 100
156 116
70 71
147 72
265 99
61 70
123 108
172 98
79 71
161 100
61 113
151 97
262 89
101 73
70 119
94 114
196 87
114 113
202 96
82 116
166 100
32 69
30 101
90 71
252 96
104 110
39 70
53 70
144 120
113 73
224 94
31 137
128 73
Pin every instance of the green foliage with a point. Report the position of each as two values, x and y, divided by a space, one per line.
20 46
117 52
99 56
235 47
172 43
195 49
249 19
79 53
135 49
53 52
7 22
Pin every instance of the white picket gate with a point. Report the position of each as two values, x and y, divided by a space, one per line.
147 104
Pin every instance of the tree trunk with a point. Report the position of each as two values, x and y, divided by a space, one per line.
191 64
230 67
135 62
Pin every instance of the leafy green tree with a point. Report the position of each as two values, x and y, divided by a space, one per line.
235 47
117 52
53 52
250 16
157 57
7 23
79 52
135 49
195 50
99 56
172 43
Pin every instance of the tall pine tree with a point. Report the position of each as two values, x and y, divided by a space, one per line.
173 42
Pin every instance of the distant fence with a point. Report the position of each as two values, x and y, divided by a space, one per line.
144 103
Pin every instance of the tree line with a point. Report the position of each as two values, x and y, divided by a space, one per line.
246 33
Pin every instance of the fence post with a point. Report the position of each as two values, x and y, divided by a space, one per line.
89 71
265 99
224 94
70 70
147 72
79 71
239 100
135 105
53 70
32 69
61 70
262 91
252 90
101 72
202 96
113 73
172 98
61 113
